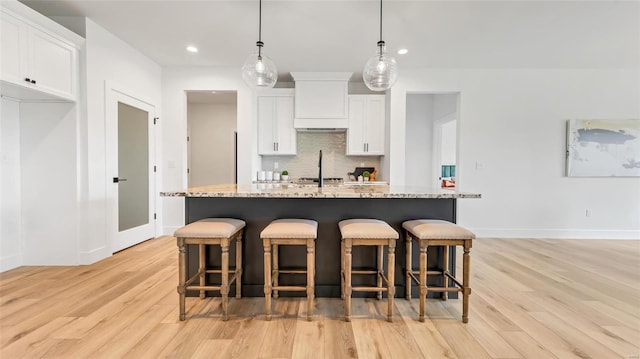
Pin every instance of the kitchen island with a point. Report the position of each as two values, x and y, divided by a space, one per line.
259 204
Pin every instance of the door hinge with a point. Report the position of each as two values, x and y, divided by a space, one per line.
155 120
187 138
154 169
154 216
187 170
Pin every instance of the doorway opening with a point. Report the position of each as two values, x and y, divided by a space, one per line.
211 137
431 145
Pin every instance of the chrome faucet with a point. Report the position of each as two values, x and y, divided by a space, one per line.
320 181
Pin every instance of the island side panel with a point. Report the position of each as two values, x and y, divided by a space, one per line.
259 212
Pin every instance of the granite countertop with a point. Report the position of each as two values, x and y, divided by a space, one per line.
275 190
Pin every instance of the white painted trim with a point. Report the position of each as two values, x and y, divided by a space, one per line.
557 233
10 262
93 256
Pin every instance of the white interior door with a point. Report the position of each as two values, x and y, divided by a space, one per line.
130 170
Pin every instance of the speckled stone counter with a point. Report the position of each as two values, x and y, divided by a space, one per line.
275 190
259 204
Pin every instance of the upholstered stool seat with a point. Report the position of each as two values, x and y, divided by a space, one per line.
288 232
367 232
431 232
210 231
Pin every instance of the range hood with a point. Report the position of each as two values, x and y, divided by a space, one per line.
321 100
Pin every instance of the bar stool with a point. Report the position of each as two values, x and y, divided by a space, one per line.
210 231
288 232
367 232
432 232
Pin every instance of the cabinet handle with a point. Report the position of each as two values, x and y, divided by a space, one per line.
274 146
33 81
27 79
278 146
364 147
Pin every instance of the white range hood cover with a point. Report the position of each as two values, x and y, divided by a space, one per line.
321 100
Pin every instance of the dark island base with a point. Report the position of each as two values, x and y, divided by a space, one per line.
259 212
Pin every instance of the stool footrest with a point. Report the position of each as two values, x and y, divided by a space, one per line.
290 271
454 279
369 289
218 271
364 272
290 288
441 289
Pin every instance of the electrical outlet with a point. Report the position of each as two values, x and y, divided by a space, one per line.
361 164
275 165
587 213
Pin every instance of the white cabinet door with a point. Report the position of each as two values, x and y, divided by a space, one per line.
276 135
355 131
374 130
34 59
286 133
365 135
266 125
52 64
12 49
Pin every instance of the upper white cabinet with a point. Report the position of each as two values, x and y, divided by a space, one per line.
36 63
321 99
365 134
276 134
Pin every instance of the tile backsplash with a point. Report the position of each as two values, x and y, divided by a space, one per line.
334 161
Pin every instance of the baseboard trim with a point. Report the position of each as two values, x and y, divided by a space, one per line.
10 262
557 233
169 230
94 255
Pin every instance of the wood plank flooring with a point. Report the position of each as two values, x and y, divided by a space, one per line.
531 298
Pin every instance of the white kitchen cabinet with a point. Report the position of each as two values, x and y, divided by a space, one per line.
365 134
36 63
321 99
276 134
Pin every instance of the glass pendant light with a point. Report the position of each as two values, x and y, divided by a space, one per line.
258 70
381 71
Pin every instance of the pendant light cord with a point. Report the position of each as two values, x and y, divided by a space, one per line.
260 43
380 20
381 42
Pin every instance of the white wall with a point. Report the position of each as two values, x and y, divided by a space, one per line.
211 143
108 60
419 140
10 209
175 82
513 121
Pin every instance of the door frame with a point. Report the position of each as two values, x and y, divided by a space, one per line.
116 93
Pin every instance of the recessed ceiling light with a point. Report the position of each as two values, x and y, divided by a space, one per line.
192 49
402 51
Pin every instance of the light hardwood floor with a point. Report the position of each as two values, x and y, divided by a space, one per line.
530 299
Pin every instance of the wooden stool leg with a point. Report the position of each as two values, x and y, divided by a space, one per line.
391 272
202 267
224 287
311 255
423 280
239 266
445 269
466 290
182 270
409 267
275 269
380 257
342 269
347 280
267 277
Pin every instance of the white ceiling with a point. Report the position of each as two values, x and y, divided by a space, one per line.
325 35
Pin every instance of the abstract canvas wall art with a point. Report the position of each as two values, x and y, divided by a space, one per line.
603 148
